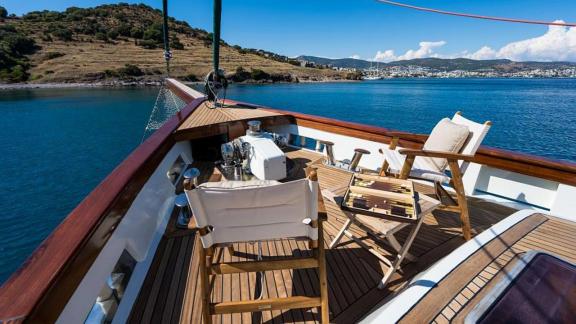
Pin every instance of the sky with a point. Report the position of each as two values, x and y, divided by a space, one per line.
370 30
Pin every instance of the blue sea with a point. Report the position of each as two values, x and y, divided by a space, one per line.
57 145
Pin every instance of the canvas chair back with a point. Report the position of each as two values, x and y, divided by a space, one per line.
477 133
240 212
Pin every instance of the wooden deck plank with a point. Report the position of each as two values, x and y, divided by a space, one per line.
204 115
480 281
353 273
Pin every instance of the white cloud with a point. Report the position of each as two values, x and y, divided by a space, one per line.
557 44
485 53
426 49
355 56
385 56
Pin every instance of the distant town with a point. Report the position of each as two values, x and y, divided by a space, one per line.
444 68
424 72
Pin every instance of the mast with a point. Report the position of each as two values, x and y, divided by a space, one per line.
216 38
167 54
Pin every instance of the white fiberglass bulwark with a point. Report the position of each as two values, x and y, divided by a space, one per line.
423 283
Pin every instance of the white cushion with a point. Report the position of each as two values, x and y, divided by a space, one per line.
429 175
422 168
446 136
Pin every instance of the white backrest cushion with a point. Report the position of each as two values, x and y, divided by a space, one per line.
255 210
446 136
477 133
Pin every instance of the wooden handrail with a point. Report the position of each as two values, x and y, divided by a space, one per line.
536 166
39 290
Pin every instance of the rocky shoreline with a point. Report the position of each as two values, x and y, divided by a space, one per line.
123 84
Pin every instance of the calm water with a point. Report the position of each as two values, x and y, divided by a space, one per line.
57 145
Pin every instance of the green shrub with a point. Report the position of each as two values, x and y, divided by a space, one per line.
148 44
53 55
112 34
101 36
154 32
137 32
18 74
175 43
110 73
281 77
240 75
130 70
354 76
63 34
258 74
7 29
124 30
16 44
3 12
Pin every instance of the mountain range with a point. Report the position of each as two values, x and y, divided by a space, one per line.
439 64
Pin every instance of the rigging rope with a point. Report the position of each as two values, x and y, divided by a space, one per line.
460 14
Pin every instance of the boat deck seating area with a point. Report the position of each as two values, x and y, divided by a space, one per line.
170 292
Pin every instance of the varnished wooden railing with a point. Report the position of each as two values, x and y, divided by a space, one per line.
40 289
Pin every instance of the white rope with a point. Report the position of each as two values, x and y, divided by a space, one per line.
167 104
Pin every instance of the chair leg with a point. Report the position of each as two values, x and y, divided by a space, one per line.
204 286
401 254
407 167
324 310
340 234
461 197
397 247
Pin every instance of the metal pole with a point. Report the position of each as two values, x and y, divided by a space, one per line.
216 38
167 54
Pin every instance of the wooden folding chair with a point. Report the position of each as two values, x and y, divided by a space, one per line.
235 211
451 145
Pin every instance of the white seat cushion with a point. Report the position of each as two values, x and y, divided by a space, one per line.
446 136
422 168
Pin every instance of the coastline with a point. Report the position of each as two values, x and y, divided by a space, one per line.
82 85
128 84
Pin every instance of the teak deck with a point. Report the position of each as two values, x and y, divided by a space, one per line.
170 292
464 287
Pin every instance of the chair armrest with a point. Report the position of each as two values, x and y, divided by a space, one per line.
437 154
194 227
322 214
408 136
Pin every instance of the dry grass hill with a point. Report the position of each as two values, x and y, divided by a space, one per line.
124 42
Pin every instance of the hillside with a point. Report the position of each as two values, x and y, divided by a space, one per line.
124 42
462 64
